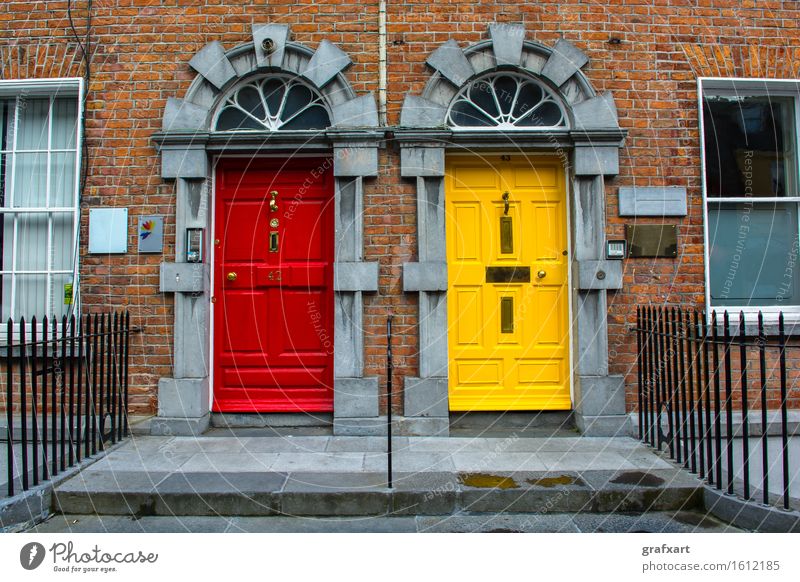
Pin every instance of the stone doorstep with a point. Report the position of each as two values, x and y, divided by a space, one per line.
366 494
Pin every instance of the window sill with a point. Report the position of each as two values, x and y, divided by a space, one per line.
791 320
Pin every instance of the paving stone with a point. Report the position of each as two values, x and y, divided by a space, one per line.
581 461
193 445
376 444
503 523
325 462
301 524
335 494
424 493
223 462
220 494
141 462
287 444
652 522
524 492
411 462
498 461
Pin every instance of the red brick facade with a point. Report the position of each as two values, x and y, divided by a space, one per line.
649 54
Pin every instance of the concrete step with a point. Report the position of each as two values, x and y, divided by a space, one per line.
366 493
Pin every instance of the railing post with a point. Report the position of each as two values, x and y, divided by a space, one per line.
389 374
10 406
762 365
717 405
639 375
728 401
689 389
745 420
784 419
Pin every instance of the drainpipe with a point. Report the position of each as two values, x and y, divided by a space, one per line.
382 62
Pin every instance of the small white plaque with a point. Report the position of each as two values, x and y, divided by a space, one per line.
108 230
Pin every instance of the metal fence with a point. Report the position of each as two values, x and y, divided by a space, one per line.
703 388
66 393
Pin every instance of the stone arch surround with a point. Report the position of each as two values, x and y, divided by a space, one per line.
188 145
590 145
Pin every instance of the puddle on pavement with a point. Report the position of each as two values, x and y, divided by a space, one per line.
637 478
555 481
487 481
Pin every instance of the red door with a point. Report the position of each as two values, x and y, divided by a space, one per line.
273 286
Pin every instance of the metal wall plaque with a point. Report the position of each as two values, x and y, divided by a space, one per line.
508 274
150 234
652 240
506 235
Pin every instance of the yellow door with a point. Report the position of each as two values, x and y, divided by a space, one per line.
508 297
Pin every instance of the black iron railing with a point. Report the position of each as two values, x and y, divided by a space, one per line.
66 393
703 388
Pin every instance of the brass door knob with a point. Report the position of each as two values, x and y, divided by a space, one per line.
541 274
232 276
273 204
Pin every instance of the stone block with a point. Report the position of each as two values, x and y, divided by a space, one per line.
565 60
355 398
595 275
212 63
423 426
357 276
279 35
451 62
422 161
652 201
420 112
428 276
602 426
507 42
599 112
165 426
596 160
600 395
183 397
358 112
355 161
180 115
327 62
183 277
426 397
183 162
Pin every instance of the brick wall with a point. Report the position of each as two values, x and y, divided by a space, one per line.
141 49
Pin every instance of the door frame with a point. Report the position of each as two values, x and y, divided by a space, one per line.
212 202
552 155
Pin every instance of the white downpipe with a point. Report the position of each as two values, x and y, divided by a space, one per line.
382 62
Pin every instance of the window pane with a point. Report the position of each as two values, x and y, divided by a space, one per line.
62 241
32 242
31 296
750 146
5 306
65 123
62 179
58 307
753 254
32 132
30 180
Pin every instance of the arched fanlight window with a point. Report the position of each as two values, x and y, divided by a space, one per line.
505 100
272 103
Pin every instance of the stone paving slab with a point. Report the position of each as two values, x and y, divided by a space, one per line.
656 522
330 476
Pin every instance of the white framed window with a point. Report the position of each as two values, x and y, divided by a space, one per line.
40 145
751 191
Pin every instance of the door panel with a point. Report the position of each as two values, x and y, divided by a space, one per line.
508 340
273 316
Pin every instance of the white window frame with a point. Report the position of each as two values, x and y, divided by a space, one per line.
51 88
757 86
